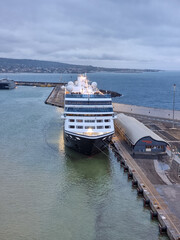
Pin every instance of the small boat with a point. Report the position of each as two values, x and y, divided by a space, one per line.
7 84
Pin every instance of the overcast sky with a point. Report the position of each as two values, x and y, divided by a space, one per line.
109 33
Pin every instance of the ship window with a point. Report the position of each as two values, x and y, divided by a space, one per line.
71 126
79 127
107 120
99 127
71 120
89 121
107 126
89 127
105 109
88 102
79 120
99 120
90 115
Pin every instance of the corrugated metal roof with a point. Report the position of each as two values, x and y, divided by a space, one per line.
135 130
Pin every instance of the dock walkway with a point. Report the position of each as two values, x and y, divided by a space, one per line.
167 220
146 111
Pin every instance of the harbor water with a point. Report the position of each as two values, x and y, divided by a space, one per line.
149 89
48 191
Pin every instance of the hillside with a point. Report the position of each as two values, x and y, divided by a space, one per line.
8 65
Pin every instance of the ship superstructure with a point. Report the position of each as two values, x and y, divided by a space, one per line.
89 116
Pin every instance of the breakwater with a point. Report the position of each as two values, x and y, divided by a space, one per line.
38 84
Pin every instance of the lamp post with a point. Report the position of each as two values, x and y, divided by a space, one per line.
174 90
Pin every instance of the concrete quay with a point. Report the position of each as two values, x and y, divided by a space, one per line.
147 180
146 111
56 97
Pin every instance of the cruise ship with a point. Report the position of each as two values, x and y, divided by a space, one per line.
88 116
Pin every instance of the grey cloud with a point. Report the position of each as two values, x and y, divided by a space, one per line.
103 57
133 33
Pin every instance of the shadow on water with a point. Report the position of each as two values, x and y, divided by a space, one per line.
94 175
93 167
93 172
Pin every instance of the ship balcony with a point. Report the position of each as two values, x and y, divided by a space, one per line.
74 109
88 96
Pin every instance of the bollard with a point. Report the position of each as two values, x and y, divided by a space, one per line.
130 175
118 158
162 229
153 215
126 169
146 202
134 183
122 163
139 192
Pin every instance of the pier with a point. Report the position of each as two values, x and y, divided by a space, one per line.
56 97
148 180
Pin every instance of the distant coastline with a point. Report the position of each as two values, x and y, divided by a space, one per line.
9 65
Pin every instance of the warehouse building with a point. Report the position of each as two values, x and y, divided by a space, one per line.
138 136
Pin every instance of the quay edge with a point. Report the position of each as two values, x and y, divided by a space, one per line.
168 223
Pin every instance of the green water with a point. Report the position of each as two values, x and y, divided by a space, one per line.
49 192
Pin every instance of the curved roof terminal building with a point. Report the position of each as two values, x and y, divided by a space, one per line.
138 136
